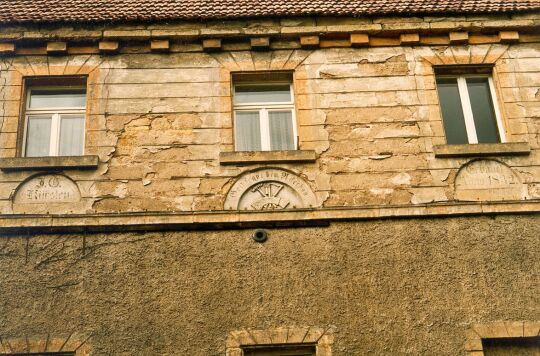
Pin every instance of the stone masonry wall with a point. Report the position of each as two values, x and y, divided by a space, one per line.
158 123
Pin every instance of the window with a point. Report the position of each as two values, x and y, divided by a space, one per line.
54 119
469 108
294 341
264 118
278 350
522 346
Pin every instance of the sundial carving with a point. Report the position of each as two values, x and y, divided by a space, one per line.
270 189
270 199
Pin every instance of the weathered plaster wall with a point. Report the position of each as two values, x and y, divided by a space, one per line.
159 122
390 287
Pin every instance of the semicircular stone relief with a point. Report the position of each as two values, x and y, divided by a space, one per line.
45 192
483 180
270 189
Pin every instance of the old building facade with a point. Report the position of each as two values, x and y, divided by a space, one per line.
335 182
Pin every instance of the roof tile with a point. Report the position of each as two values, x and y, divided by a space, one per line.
44 11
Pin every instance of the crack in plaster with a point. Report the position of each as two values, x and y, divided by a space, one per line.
4 69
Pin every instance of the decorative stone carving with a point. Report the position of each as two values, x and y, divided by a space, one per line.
488 180
50 188
270 189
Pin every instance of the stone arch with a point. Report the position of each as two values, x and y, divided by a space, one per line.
468 54
487 179
73 343
323 338
248 61
46 192
57 65
270 189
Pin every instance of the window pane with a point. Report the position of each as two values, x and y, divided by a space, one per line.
38 136
57 98
482 108
522 346
248 131
453 118
71 135
245 94
298 350
281 130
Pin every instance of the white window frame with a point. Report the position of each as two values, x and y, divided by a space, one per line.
264 108
56 113
467 107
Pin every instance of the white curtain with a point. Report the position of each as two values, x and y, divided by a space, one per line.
71 136
281 130
248 131
38 136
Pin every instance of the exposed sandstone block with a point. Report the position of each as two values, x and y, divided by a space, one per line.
309 41
211 44
409 38
359 39
175 33
7 48
160 45
459 37
508 36
260 43
56 47
428 195
127 34
108 46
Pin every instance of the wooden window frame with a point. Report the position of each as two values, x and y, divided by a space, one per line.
466 105
44 83
264 79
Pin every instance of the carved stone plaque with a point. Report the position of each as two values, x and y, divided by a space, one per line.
270 189
47 189
488 180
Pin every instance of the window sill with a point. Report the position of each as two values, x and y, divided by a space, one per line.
48 163
228 158
482 149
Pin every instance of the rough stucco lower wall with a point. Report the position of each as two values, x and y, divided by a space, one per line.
389 286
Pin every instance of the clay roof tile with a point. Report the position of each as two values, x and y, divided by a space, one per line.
44 11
